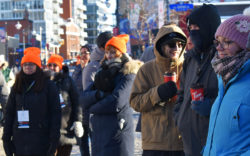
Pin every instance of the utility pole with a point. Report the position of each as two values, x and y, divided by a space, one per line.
6 42
167 7
41 29
117 14
23 40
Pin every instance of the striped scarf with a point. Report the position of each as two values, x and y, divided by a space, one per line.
228 67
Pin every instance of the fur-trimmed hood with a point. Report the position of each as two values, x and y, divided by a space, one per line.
129 65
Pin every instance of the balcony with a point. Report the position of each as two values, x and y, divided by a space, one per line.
83 34
57 1
81 16
60 31
60 10
83 25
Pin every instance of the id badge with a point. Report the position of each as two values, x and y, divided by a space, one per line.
23 119
62 101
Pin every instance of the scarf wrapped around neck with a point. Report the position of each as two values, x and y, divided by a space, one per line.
228 67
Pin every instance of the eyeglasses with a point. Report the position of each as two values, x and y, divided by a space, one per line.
111 52
84 53
52 65
174 44
28 64
224 45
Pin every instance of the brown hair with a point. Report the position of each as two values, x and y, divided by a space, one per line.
39 78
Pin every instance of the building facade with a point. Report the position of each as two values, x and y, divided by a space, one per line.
47 23
78 9
45 17
100 17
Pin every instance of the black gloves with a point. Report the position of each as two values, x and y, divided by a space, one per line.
167 90
100 94
104 79
8 147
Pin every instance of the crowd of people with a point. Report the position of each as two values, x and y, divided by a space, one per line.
192 93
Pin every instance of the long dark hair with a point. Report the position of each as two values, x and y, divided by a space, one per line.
21 79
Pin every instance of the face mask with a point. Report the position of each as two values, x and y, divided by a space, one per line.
196 39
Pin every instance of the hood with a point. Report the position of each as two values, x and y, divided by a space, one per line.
96 55
127 64
164 31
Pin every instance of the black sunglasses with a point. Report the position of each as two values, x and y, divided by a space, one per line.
174 44
52 65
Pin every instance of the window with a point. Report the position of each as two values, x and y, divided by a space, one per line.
2 5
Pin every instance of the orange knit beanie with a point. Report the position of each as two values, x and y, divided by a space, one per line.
32 54
119 42
57 59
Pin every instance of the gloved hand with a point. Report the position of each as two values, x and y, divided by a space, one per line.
8 147
104 79
78 129
202 107
99 95
167 90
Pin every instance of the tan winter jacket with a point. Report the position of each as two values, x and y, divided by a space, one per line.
158 128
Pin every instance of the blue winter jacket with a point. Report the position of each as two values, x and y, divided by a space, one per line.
229 126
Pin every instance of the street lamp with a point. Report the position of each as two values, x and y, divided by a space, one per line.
38 36
18 27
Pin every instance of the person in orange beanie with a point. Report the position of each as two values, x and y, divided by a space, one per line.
107 99
56 61
33 114
32 54
71 122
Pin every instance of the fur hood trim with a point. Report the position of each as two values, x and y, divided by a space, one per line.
131 67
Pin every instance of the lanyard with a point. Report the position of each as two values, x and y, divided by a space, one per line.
30 86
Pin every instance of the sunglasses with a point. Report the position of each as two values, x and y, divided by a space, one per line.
174 44
52 65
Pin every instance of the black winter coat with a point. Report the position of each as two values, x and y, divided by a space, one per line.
194 127
44 121
71 109
111 121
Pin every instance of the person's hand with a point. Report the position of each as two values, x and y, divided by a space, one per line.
99 94
78 129
167 90
202 107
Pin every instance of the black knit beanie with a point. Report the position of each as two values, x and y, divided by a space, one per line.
103 38
208 20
